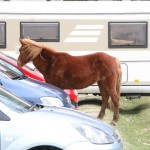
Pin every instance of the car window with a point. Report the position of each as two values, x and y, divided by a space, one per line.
3 117
29 66
9 69
13 102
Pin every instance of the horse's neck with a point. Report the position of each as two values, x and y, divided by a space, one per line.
43 60
40 64
48 53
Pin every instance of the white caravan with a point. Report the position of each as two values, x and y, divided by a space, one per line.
117 28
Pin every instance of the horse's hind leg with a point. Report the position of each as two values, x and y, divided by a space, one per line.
105 98
115 99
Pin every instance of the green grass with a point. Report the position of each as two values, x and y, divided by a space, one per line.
134 124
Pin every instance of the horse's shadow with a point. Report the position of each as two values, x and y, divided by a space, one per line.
92 101
135 109
124 111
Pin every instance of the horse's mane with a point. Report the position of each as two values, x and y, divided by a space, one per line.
27 41
31 49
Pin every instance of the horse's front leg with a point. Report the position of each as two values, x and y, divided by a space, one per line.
105 98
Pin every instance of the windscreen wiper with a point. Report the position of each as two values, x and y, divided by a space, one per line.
19 77
35 107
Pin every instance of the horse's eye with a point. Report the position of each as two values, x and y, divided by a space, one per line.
20 49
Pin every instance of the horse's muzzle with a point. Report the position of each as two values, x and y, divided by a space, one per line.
19 63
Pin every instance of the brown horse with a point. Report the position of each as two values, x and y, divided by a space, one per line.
76 72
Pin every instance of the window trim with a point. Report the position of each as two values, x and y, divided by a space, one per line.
3 117
41 40
4 45
145 44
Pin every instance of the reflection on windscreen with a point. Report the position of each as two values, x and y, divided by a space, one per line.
14 102
9 69
29 66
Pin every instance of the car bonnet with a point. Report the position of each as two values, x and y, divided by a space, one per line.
66 115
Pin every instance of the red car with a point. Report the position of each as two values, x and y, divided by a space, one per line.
33 73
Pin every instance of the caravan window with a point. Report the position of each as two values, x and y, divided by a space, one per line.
40 31
2 34
127 34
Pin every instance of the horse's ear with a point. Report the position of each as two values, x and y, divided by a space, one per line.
21 41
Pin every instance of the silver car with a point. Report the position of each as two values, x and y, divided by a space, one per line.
35 127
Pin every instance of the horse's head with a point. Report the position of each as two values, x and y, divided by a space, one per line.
29 50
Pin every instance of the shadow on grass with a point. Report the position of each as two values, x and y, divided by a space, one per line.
135 110
91 101
123 111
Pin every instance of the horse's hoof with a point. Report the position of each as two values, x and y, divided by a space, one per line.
98 117
113 123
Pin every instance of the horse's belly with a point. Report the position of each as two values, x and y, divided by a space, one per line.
70 80
81 82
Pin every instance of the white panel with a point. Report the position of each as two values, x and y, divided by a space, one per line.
96 33
89 27
81 39
139 72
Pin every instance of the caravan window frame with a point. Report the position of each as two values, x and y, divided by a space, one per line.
130 34
41 25
3 31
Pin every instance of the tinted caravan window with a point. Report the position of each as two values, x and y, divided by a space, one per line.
2 35
40 31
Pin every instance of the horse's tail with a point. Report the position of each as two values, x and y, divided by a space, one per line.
118 83
119 76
